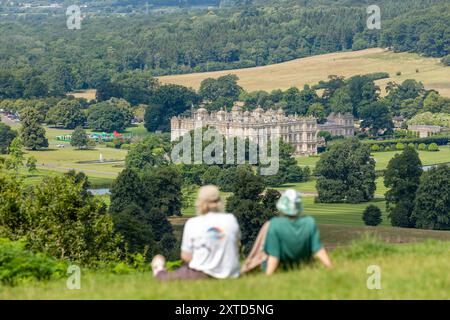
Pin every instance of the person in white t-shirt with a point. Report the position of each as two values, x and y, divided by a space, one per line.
210 245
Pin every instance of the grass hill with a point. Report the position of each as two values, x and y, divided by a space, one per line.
401 278
311 70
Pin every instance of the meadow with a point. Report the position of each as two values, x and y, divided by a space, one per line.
311 70
400 279
382 158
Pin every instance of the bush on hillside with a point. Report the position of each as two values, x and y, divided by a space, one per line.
399 146
446 60
433 147
18 265
439 140
372 216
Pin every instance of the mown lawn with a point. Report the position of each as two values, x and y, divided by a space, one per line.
413 271
310 186
382 158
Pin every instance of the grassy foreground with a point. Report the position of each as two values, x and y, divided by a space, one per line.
413 271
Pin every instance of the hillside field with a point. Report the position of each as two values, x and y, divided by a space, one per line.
311 70
401 278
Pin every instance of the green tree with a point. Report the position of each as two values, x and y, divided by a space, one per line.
149 152
57 218
432 202
32 132
251 208
372 216
211 175
109 116
163 186
79 138
31 164
224 86
126 190
16 155
346 173
135 228
317 110
168 101
377 118
446 60
7 135
67 113
341 101
402 177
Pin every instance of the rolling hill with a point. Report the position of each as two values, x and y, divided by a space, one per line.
311 70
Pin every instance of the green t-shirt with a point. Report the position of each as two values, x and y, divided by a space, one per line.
292 240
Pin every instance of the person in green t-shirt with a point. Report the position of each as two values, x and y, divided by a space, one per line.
292 239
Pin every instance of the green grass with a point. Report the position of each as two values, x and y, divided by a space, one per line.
341 213
382 158
138 131
427 157
413 271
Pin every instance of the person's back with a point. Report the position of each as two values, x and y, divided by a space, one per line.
213 240
292 240
210 244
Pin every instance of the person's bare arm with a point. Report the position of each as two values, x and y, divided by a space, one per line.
186 256
322 255
272 264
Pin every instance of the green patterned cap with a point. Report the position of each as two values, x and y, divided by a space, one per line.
290 203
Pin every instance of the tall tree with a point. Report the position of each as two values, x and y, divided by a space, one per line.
432 203
168 101
341 101
67 113
402 177
250 206
7 135
79 138
377 118
346 173
162 186
108 116
16 155
126 190
32 132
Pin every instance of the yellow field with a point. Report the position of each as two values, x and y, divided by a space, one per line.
88 94
313 69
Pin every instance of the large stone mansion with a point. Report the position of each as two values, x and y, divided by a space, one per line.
301 132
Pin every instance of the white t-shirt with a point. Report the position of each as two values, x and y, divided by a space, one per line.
213 240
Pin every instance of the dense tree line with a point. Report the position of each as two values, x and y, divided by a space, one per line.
47 59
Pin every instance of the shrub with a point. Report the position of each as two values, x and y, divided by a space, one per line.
375 148
446 60
398 73
412 145
125 146
422 146
18 265
439 140
58 217
110 145
399 146
433 147
372 216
